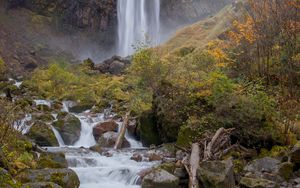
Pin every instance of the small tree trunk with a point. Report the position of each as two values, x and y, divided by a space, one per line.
121 136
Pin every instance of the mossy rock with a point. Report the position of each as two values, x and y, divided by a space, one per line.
6 180
216 174
24 102
81 107
286 170
43 108
43 117
3 161
52 160
64 177
257 183
148 130
42 134
169 167
62 115
159 178
41 185
69 127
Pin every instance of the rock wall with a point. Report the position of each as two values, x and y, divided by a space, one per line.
80 14
187 11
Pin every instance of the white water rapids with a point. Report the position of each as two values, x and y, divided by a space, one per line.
95 170
138 22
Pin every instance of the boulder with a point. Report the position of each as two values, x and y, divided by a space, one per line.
41 185
64 177
269 169
43 117
257 183
132 128
3 161
147 129
109 139
295 154
153 156
52 160
160 179
69 127
97 148
216 174
104 127
42 134
136 157
266 164
80 107
6 180
43 107
115 65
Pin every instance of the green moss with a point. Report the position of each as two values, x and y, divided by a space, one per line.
169 167
286 170
52 160
148 130
42 134
276 151
44 117
6 181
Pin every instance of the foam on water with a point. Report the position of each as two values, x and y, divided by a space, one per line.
95 170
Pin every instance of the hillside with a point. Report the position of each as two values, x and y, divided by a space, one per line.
197 36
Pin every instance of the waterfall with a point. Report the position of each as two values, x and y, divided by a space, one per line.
138 22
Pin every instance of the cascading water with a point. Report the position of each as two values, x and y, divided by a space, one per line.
93 169
138 22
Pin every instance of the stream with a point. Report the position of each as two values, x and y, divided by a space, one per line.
93 169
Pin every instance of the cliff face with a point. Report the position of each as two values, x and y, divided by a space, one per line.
178 12
82 14
102 14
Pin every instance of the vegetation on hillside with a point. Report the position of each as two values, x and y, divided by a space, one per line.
247 81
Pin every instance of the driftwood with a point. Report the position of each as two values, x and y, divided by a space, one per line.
194 165
121 135
209 148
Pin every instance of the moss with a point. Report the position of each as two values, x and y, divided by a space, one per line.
6 181
24 102
43 108
169 167
52 160
148 130
286 170
276 151
81 107
42 134
257 183
44 117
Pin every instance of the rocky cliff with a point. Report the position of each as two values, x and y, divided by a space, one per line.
81 14
102 14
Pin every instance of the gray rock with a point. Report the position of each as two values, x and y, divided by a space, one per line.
101 128
109 139
6 180
295 155
64 177
42 134
69 127
257 183
266 164
41 185
160 179
181 173
216 174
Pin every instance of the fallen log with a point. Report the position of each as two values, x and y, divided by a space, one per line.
194 165
122 132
